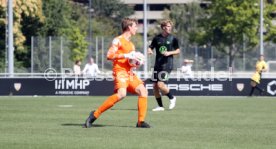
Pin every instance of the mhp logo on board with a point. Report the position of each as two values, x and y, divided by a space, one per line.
74 84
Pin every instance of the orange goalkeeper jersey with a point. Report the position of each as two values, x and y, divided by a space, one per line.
120 46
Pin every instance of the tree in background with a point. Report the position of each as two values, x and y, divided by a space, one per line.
69 20
41 18
187 26
2 36
230 23
115 10
23 10
60 18
270 12
78 44
57 17
231 27
105 15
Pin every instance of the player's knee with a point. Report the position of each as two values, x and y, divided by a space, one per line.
144 92
160 85
155 86
121 95
253 84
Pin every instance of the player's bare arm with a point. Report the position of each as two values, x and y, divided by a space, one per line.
264 70
175 52
150 51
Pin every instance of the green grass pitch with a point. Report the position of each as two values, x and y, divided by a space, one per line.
195 123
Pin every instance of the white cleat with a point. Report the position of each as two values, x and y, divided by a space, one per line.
158 109
172 103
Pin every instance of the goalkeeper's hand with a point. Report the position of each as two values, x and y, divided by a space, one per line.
130 55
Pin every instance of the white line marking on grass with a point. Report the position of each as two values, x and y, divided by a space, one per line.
65 106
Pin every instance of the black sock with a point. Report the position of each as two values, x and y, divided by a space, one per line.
252 91
262 91
170 95
159 101
257 87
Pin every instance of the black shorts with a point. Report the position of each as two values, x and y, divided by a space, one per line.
160 75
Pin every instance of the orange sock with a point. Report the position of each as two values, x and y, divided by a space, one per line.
108 103
142 108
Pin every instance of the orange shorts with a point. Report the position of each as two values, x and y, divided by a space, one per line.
123 79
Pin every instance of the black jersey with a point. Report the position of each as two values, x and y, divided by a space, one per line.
162 44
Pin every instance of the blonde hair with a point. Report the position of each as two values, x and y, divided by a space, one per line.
165 22
126 22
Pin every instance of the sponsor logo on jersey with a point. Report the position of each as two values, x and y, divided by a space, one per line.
162 49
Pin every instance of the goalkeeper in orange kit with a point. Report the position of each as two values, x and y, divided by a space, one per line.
120 51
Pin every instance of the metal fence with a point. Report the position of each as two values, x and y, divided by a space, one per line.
209 57
51 52
54 52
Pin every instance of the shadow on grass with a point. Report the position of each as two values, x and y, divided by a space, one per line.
123 109
94 125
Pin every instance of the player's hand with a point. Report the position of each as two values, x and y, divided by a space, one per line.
150 52
130 55
166 53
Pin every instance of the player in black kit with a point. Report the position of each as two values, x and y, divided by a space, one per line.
166 46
